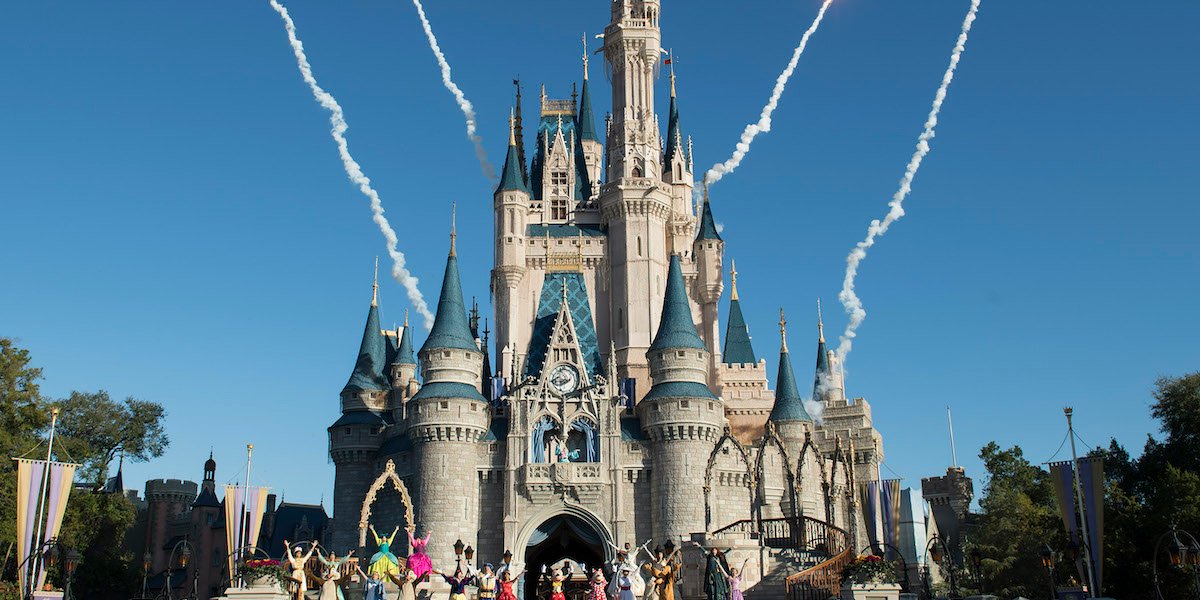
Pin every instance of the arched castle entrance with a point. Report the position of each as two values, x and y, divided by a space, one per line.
388 476
562 532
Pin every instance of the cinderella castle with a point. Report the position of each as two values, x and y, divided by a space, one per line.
614 413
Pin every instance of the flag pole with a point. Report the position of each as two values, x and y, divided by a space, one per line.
1087 538
953 451
243 542
43 499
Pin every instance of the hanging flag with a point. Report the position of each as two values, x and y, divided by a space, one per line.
62 476
1091 483
628 389
667 61
256 505
870 499
29 490
890 504
499 389
235 508
1062 477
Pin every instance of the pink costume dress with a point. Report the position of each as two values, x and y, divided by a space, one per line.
735 588
418 561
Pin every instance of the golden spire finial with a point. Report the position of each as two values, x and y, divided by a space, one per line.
783 330
820 324
671 61
453 228
733 277
406 318
512 127
585 56
375 285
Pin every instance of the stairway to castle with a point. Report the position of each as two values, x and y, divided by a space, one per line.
808 553
781 564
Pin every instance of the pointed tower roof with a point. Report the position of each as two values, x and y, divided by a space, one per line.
512 177
823 371
708 226
737 335
404 354
674 141
372 352
587 122
450 328
789 406
520 134
676 329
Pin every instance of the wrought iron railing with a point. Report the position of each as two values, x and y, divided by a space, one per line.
806 537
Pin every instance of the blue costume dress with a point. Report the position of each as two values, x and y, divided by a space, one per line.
373 590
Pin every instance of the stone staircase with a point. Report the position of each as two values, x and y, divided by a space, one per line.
780 564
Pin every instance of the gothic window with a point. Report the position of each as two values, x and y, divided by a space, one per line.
584 440
620 319
558 209
637 172
543 440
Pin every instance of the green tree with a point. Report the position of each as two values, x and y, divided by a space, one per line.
95 429
21 418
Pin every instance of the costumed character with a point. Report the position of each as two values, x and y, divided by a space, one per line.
458 584
626 585
508 578
734 576
597 585
556 579
419 561
716 578
405 583
331 587
297 559
485 580
666 572
372 586
384 563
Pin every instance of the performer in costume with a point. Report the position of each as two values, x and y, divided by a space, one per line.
372 586
405 584
734 577
556 579
458 583
418 561
384 563
597 585
508 579
716 578
624 586
485 580
331 588
297 559
666 571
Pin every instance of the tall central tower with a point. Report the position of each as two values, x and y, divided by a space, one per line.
635 202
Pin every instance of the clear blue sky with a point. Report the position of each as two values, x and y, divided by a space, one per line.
177 225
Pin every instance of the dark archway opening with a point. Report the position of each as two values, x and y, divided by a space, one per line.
561 537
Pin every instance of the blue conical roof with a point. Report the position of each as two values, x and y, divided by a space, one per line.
372 358
676 329
789 406
708 226
823 369
404 354
512 178
587 122
737 338
450 328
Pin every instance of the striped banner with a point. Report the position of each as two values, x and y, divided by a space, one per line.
870 502
62 475
235 507
29 491
890 502
1091 483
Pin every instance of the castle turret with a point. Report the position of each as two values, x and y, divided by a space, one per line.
677 171
680 415
788 415
445 420
355 436
738 349
709 251
404 370
827 382
511 203
593 150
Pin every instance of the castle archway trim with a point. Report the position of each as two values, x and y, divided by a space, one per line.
536 519
751 482
388 475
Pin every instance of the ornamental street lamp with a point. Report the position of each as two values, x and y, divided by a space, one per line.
458 553
937 550
185 549
1181 556
977 564
146 559
73 560
469 553
1048 559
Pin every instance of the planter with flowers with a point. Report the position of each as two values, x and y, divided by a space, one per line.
870 578
262 573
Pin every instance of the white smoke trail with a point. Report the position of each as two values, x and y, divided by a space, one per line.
850 300
763 125
465 105
338 120
815 409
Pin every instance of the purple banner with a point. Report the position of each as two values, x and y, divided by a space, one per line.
1091 482
27 512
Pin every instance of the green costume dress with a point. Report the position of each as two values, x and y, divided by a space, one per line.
384 563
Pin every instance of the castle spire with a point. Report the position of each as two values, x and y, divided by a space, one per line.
824 371
789 406
738 349
708 225
519 135
733 279
820 324
375 285
512 176
453 228
450 327
674 141
368 373
676 329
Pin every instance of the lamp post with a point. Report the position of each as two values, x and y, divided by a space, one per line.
185 557
458 554
1048 559
937 549
469 553
47 554
1181 556
73 560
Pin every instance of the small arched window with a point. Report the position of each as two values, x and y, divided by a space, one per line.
639 245
637 171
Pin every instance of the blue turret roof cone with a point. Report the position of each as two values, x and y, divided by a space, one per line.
676 329
369 368
789 406
512 178
404 354
450 327
738 349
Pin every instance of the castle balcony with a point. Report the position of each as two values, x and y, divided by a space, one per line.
545 480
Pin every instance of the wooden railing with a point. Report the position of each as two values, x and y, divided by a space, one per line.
821 582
